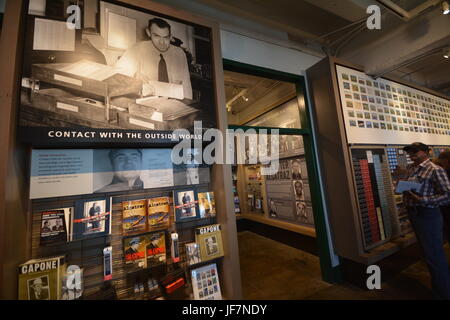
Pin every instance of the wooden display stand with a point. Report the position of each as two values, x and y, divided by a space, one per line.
262 216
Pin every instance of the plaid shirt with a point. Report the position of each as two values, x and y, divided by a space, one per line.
435 190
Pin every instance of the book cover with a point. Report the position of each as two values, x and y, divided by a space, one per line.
205 283
41 279
156 249
145 251
206 204
193 253
185 205
404 185
54 226
134 215
92 218
135 252
158 213
209 239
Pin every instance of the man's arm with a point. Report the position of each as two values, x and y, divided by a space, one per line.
128 64
441 184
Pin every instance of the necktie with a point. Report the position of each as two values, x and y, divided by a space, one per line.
162 70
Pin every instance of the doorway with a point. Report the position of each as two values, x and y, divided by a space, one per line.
283 241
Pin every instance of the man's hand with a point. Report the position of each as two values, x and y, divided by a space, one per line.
412 196
148 90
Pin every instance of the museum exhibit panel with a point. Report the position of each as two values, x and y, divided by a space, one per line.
367 122
283 196
111 214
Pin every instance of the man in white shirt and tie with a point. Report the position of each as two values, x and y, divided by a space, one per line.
157 60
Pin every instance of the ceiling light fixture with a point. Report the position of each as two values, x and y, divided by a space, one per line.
445 7
245 98
447 53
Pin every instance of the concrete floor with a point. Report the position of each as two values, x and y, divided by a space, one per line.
271 270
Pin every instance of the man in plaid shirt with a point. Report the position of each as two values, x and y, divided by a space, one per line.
425 216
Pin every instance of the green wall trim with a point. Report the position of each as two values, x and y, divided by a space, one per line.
282 131
240 67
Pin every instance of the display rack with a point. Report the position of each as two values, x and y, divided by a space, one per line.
88 253
358 119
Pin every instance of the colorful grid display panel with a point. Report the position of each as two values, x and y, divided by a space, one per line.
397 158
373 188
385 112
392 158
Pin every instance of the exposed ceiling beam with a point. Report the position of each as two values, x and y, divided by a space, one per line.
408 15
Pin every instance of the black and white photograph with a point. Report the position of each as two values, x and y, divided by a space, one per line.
283 146
192 171
55 225
53 229
300 210
126 166
193 253
52 225
296 169
185 207
94 213
38 288
272 208
298 189
125 68
92 218
137 169
211 245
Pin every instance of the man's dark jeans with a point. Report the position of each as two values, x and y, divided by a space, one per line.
446 216
427 224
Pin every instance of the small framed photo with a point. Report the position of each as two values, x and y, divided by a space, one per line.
186 205
298 189
206 204
38 288
193 253
92 218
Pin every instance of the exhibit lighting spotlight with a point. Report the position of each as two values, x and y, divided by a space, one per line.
245 98
447 53
445 7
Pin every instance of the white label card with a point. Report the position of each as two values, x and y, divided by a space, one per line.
369 156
